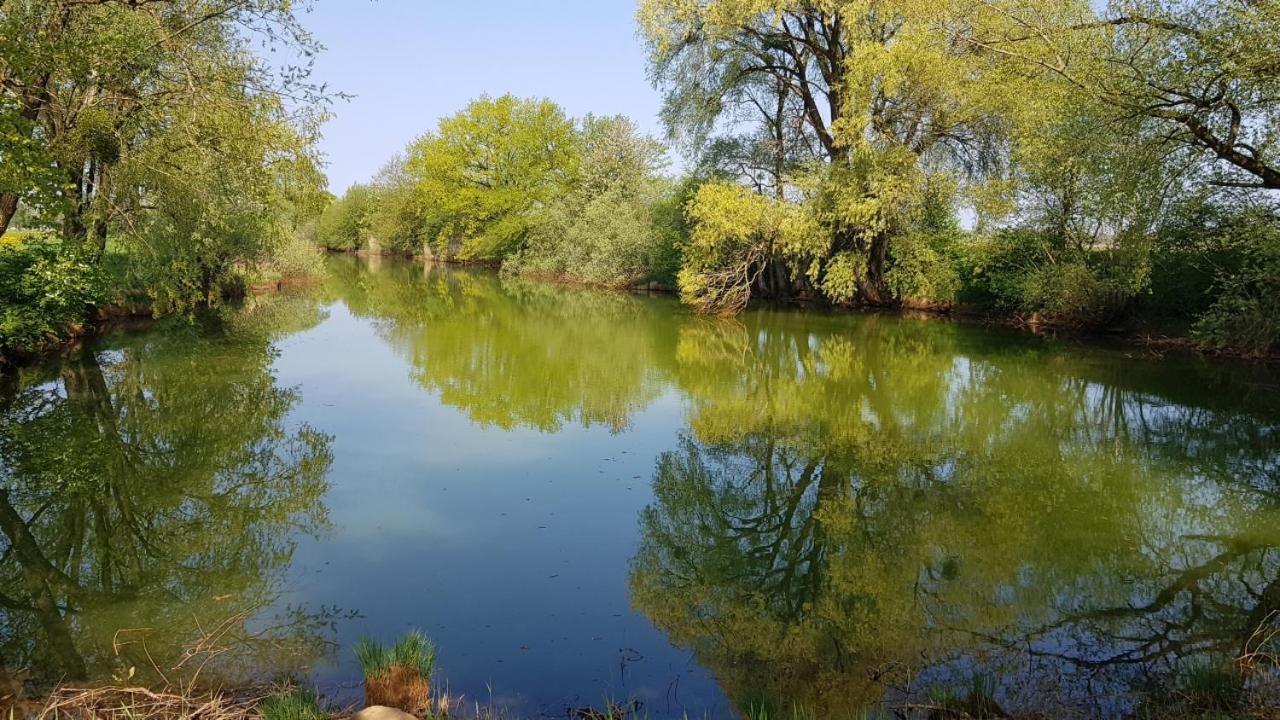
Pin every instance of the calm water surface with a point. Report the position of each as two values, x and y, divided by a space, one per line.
582 494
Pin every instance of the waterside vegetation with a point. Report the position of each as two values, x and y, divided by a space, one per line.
151 155
1044 162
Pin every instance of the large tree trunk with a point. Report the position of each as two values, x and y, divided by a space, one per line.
873 289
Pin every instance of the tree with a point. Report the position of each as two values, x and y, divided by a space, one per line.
873 88
397 220
344 225
602 230
1201 74
486 172
132 106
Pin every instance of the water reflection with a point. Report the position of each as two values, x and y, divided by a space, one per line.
868 511
512 352
843 510
882 514
149 490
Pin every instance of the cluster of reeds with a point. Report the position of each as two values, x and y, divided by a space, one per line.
399 675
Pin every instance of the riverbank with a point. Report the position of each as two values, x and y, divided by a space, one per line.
292 703
131 310
1152 338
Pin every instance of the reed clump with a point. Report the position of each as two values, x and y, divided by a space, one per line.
398 676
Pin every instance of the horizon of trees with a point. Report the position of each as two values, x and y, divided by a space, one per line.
1110 166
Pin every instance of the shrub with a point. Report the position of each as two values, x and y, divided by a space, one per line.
922 266
1244 313
295 258
43 292
1031 271
673 230
610 241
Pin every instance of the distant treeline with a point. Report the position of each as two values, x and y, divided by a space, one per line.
1039 159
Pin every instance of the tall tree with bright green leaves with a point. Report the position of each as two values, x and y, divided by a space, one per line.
486 171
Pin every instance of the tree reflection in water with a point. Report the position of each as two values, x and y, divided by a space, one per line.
150 489
885 514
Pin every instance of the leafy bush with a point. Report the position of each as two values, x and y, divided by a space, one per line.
396 218
42 293
610 241
295 257
922 266
603 230
673 230
1031 271
1245 310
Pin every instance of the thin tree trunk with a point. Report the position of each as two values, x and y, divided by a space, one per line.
8 207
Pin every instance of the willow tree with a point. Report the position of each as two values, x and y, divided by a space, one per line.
892 111
1201 74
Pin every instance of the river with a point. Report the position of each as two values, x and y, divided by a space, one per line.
583 495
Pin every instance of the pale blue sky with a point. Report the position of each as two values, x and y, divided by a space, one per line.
411 62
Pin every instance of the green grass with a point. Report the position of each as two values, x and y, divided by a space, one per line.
413 650
1212 685
293 705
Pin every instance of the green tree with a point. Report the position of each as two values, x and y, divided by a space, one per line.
890 111
487 171
397 220
602 230
157 123
344 224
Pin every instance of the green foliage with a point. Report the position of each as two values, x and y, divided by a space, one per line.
487 172
735 233
1030 271
158 126
397 221
922 267
673 228
344 225
1245 311
293 705
42 293
294 258
602 231
413 650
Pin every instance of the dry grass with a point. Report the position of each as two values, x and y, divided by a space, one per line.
136 703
